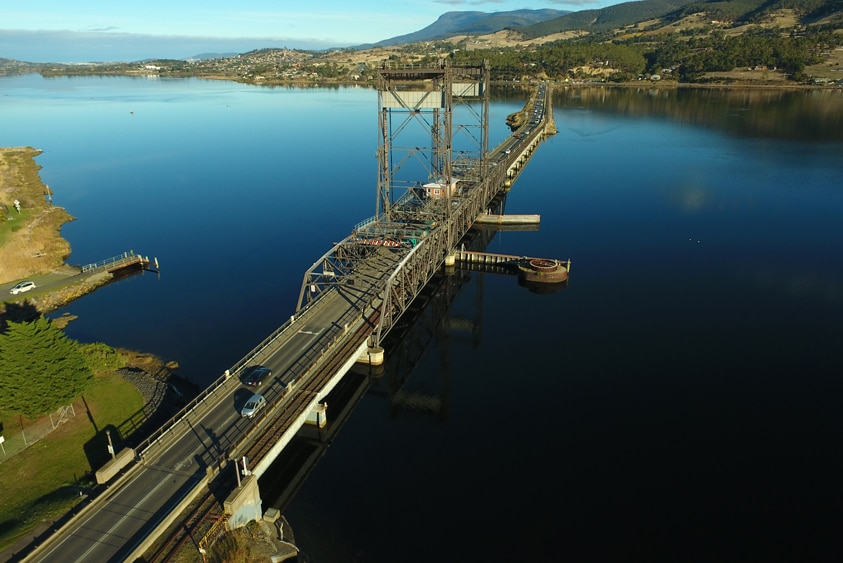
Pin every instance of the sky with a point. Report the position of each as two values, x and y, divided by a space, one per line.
121 30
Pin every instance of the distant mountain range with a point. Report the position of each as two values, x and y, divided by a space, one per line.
533 24
450 24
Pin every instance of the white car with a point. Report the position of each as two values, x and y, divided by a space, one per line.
22 287
253 405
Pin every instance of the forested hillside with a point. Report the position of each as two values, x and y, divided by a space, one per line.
659 13
683 58
605 19
682 42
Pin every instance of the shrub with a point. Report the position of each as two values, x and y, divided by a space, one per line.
101 357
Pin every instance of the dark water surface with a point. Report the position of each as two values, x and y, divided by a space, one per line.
678 401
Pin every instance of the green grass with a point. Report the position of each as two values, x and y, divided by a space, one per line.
7 227
39 483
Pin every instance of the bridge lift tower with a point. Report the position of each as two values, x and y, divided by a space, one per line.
433 180
433 135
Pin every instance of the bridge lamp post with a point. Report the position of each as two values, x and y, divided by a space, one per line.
110 444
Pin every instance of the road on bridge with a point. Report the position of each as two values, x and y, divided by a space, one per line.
181 460
119 519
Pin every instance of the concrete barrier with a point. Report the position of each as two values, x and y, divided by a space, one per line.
115 465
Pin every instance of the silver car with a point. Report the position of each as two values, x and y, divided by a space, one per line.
255 403
22 287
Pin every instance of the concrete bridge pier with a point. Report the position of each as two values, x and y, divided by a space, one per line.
450 262
318 415
244 503
372 355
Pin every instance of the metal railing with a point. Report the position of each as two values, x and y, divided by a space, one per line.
124 258
231 373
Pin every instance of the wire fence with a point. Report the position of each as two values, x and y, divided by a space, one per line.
14 442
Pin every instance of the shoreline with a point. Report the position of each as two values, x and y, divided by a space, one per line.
31 224
718 82
57 282
33 247
728 84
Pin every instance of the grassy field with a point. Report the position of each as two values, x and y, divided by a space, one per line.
41 482
30 241
831 67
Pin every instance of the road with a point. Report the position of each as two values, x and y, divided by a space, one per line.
172 467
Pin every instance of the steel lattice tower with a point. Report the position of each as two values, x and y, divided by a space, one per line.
433 133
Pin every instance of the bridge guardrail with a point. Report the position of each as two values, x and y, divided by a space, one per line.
310 361
301 367
364 222
165 429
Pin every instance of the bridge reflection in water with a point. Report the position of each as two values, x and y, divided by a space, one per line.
352 298
429 321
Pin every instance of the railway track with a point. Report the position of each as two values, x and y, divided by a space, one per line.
201 515
207 511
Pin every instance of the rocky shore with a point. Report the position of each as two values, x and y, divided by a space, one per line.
76 287
152 389
164 391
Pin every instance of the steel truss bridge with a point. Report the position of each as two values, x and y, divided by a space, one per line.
391 256
436 175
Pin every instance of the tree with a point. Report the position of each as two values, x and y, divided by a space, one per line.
41 368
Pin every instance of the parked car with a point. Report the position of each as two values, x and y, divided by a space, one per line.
253 405
22 287
255 375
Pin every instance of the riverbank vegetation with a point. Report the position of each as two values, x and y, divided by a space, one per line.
64 404
43 369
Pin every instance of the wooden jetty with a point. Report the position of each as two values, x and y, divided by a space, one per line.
121 263
493 219
528 269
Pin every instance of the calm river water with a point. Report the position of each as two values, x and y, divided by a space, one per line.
678 401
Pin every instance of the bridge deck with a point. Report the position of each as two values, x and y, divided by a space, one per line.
361 292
